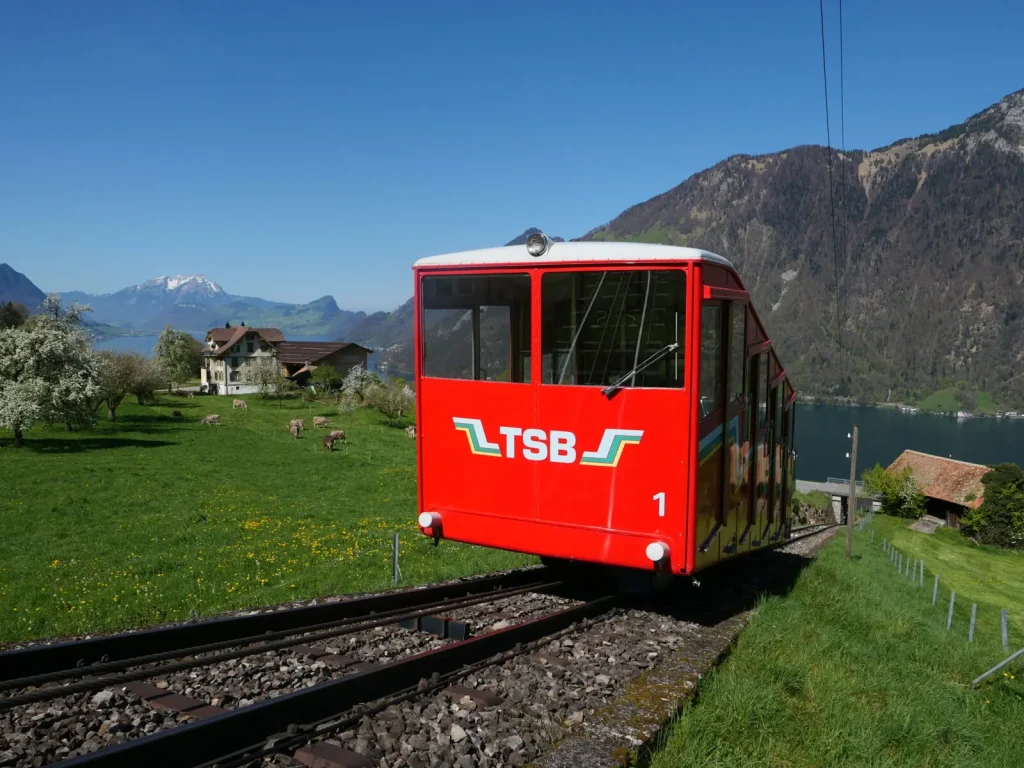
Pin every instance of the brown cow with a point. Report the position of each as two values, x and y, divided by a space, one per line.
411 432
321 421
300 423
337 434
294 429
240 404
213 418
329 443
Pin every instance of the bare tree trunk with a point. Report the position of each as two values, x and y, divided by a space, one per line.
19 439
67 427
113 413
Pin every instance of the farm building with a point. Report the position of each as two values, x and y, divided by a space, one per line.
300 358
231 348
949 486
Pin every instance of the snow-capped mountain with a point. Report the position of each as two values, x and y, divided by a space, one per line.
183 285
194 303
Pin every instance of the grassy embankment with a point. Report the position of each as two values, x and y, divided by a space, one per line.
149 518
853 667
817 499
991 577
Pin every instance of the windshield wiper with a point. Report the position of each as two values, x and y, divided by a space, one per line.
615 386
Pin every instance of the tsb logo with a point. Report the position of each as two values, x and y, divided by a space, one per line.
556 446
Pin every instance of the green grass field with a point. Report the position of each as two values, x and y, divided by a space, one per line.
991 577
946 401
852 668
150 518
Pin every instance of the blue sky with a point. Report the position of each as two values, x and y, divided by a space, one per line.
288 150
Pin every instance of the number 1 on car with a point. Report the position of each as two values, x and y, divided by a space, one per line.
660 498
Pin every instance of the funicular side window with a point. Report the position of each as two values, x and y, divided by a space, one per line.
599 326
710 359
476 327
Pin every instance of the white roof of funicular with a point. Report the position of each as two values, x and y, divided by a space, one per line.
580 253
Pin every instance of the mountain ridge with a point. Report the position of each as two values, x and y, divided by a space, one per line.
931 281
16 288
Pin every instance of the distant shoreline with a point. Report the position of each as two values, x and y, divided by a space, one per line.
850 402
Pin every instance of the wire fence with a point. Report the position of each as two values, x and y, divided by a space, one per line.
945 602
916 571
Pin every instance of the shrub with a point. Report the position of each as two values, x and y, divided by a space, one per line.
1000 518
897 490
325 380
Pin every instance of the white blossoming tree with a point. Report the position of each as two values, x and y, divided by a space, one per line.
180 355
358 381
48 371
392 401
120 373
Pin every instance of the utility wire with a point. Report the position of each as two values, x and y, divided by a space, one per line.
843 186
831 192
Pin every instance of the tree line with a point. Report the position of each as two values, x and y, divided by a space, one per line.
49 372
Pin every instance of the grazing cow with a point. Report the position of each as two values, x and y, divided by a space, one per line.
294 429
411 432
175 414
329 443
213 418
300 423
337 434
240 404
320 421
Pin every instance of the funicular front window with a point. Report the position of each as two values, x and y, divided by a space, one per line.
598 326
476 327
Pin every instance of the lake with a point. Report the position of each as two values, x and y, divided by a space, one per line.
885 433
142 344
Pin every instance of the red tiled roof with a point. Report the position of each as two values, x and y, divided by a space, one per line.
311 351
946 479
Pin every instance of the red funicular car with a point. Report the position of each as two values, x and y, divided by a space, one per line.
613 403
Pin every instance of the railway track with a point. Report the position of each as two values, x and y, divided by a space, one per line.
326 685
431 624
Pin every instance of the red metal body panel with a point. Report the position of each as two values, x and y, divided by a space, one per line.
475 471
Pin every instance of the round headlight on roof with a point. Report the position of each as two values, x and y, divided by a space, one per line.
537 244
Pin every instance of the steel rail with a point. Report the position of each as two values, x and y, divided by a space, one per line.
821 529
98 683
399 614
210 740
299 735
42 659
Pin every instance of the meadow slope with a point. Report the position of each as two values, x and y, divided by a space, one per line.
153 519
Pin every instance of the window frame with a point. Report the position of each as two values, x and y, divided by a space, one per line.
536 274
496 271
687 277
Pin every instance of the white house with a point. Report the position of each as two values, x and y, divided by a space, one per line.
227 351
230 348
